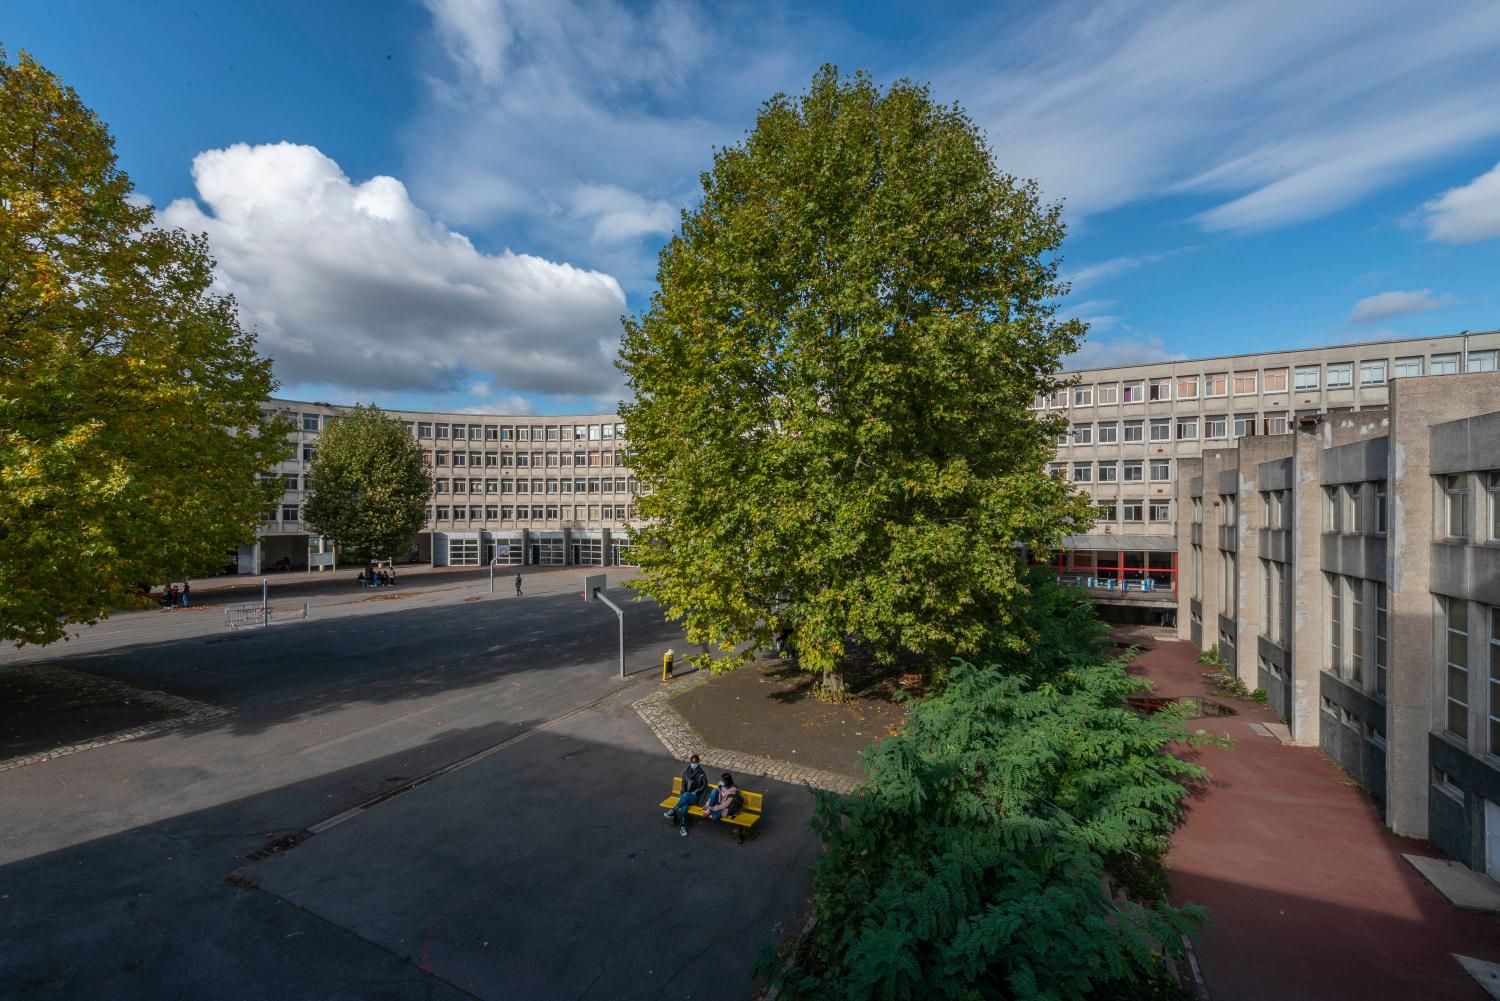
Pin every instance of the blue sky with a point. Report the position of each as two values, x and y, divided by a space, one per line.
449 203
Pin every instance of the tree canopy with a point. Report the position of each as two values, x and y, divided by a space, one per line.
130 431
832 382
369 486
1008 841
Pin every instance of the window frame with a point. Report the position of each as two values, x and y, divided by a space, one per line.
1343 369
1312 385
1456 638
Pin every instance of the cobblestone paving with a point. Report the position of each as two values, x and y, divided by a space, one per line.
680 740
191 711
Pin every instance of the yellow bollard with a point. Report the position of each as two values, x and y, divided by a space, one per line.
666 666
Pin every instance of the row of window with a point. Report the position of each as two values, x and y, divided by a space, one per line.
1334 375
1356 508
1133 511
604 485
1460 522
1460 693
545 512
1125 471
518 432
1165 429
525 460
1352 645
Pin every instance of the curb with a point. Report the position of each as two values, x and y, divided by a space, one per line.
192 711
669 726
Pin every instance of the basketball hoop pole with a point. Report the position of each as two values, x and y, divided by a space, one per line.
619 614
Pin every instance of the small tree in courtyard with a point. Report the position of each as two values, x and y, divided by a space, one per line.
370 487
831 386
130 426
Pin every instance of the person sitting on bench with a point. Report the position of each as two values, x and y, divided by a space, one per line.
725 800
694 785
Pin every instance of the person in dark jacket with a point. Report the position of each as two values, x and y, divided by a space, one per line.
187 589
518 585
694 787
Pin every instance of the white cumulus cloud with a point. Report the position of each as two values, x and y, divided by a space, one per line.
1108 352
352 284
1397 303
1467 214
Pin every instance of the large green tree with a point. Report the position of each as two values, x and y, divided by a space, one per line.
369 485
831 385
130 431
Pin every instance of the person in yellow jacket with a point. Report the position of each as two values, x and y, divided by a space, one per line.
666 665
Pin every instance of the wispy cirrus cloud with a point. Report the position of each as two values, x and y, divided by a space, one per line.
1396 303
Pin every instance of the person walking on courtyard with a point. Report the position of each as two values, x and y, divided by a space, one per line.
173 597
694 786
518 585
187 587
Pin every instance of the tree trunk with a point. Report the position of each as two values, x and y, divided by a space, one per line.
833 681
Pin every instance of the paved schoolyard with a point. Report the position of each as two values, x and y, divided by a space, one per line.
113 861
1309 895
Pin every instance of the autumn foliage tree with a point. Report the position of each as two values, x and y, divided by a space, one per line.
831 385
130 431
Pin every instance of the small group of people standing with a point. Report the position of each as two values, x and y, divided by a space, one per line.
174 597
719 803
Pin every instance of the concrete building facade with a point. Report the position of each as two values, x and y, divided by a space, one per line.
1351 570
517 490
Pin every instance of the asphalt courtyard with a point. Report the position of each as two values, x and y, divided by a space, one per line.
481 802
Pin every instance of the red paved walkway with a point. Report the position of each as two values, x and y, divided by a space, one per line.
1308 891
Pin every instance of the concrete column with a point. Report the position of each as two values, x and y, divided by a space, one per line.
1309 596
1187 471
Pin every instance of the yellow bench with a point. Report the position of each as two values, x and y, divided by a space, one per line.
748 817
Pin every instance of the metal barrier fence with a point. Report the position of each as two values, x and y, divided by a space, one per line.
263 615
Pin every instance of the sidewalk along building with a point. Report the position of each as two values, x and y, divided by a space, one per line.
1131 428
1351 570
552 491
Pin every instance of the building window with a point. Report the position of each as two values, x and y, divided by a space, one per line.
1083 434
1456 677
1382 639
309 454
1494 683
1216 426
1228 582
1340 376
1356 631
1335 626
1492 500
1273 380
1109 394
269 515
1244 425
440 486
1135 431
1109 472
1083 396
1134 471
1058 398
1064 439
1161 511
1307 377
1444 364
1161 430
1187 387
1372 373
1354 495
1055 469
1277 424
1135 392
1481 361
1132 510
1333 510
1216 384
1105 511
309 422
1161 470
1109 434
1381 507
1244 383
1406 368
1187 429
1456 507
1161 389
1083 472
